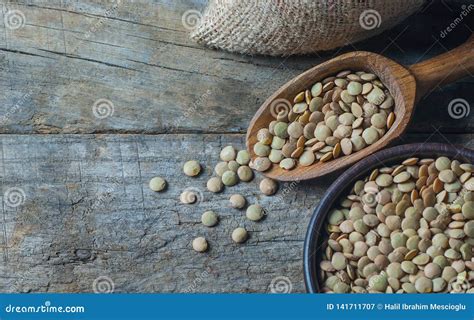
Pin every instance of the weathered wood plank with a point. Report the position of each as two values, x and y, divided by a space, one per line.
87 212
70 54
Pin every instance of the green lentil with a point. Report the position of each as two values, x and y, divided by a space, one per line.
255 212
230 178
200 244
192 168
228 153
268 186
237 201
215 184
209 218
157 184
245 173
239 235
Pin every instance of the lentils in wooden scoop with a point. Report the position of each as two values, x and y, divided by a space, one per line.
406 228
338 116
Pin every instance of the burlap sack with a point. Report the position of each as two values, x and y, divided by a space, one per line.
286 27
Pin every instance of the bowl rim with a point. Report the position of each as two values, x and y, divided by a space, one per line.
361 168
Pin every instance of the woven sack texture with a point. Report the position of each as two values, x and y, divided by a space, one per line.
287 27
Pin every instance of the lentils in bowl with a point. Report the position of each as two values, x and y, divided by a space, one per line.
406 227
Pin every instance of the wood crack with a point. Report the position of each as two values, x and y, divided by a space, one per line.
24 53
180 70
88 59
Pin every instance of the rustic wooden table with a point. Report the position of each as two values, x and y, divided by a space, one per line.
76 205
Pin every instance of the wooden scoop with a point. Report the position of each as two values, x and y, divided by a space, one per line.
406 84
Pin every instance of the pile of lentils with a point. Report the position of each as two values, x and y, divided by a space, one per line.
406 228
233 168
338 116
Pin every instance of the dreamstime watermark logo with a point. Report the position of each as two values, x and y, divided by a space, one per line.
374 281
103 284
191 195
190 111
264 211
331 5
103 108
469 185
370 197
14 19
99 24
281 284
464 13
370 19
191 19
107 195
459 284
287 189
198 280
378 101
458 108
280 106
16 107
14 197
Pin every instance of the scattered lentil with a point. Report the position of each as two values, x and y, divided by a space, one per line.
228 153
230 178
192 168
268 186
220 168
209 218
200 244
255 212
215 184
245 173
237 201
157 184
239 235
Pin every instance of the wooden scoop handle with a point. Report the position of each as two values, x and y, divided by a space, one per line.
445 68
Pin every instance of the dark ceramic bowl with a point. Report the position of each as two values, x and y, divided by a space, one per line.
315 235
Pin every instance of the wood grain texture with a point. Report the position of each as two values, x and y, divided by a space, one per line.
445 68
87 212
69 54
